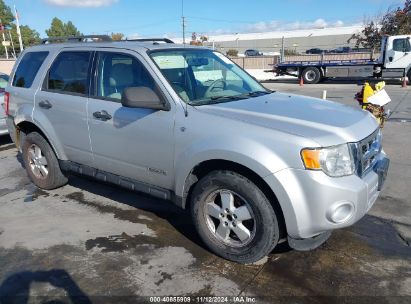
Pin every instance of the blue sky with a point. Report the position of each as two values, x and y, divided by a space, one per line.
162 17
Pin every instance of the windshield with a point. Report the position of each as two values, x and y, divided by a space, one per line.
203 76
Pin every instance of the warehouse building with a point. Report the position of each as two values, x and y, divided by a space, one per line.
297 40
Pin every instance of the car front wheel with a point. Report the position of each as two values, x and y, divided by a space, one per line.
233 217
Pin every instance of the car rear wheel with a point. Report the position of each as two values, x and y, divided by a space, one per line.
233 217
311 75
41 163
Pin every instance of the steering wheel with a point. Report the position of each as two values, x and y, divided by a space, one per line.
213 86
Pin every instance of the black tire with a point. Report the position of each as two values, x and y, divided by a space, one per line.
265 236
409 77
311 75
54 177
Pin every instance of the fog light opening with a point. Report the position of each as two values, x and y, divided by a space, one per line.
341 213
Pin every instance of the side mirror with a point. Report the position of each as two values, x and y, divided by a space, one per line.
143 97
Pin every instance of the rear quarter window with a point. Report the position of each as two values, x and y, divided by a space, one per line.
27 69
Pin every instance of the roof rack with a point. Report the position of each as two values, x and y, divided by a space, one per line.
84 38
154 40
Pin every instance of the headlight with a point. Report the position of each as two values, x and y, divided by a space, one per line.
334 161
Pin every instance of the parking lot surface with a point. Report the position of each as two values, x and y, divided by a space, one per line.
90 242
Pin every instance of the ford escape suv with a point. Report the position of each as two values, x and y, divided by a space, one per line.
186 124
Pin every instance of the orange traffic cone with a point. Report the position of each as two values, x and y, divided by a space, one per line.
404 82
301 81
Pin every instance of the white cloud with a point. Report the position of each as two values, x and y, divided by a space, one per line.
338 23
275 25
81 3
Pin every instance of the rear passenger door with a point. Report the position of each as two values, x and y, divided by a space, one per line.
62 102
132 142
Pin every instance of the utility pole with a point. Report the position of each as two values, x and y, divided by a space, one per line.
183 19
184 29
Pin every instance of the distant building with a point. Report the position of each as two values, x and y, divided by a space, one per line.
297 40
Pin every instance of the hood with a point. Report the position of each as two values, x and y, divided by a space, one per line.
326 122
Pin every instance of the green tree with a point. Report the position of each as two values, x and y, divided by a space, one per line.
117 36
56 29
70 29
232 53
290 52
394 22
60 29
6 15
28 36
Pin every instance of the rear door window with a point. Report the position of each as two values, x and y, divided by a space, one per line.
70 73
27 70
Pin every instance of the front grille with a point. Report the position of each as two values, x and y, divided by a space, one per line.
366 151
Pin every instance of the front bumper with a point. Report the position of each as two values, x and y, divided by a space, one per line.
310 199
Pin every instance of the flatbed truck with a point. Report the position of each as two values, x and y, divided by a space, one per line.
393 62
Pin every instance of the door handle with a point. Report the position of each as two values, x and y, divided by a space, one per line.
102 115
45 104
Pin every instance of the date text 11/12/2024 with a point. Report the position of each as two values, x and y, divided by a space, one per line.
202 299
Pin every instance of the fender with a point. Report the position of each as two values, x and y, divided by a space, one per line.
255 156
25 114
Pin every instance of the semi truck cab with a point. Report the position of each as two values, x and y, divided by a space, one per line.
396 52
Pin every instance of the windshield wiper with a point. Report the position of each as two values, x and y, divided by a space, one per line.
217 99
228 97
222 98
259 93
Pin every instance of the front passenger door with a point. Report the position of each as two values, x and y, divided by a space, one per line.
136 143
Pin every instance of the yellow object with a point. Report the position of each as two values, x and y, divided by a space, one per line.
367 92
377 111
311 159
379 86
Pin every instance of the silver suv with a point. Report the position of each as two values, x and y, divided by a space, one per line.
186 124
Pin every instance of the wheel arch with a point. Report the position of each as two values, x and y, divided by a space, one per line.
25 127
207 166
